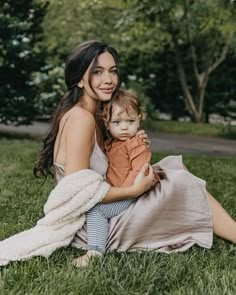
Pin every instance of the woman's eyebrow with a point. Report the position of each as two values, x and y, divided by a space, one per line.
100 67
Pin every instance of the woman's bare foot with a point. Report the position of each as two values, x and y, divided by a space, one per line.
83 261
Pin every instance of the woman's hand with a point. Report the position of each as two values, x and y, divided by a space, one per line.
144 180
143 135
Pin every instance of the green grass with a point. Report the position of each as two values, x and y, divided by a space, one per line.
201 129
197 271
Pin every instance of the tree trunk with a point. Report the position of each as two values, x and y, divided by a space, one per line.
195 106
189 101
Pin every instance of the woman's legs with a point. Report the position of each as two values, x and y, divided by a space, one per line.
223 224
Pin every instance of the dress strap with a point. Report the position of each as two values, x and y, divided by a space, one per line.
59 141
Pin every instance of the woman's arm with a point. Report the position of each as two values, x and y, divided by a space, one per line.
79 140
142 182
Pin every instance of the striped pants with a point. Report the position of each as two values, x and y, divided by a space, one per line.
97 220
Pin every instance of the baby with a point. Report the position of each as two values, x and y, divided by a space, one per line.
126 154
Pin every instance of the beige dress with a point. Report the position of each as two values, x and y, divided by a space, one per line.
171 217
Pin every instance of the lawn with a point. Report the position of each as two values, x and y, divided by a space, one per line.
200 129
196 271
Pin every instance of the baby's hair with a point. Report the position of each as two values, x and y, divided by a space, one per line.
127 100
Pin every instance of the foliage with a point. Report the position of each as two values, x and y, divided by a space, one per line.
196 271
68 23
145 101
171 52
169 48
221 91
50 86
20 55
199 33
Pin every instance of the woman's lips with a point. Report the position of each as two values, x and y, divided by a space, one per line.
107 90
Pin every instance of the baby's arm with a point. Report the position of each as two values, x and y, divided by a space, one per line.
139 154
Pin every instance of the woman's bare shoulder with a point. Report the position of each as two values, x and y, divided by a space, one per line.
81 118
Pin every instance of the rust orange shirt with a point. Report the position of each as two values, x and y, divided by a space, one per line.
126 158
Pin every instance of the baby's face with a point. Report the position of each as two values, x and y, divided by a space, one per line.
123 125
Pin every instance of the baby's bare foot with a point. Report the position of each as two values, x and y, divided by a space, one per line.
83 261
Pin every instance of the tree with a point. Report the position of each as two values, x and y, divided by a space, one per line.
199 32
170 49
20 55
69 23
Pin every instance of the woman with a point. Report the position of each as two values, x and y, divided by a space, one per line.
71 147
92 76
177 213
171 216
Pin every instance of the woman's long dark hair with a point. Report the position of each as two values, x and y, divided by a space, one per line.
76 65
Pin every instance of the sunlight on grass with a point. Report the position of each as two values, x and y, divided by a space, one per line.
197 271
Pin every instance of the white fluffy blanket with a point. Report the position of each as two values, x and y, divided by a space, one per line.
64 216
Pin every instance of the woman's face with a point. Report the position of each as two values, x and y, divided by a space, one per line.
104 79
